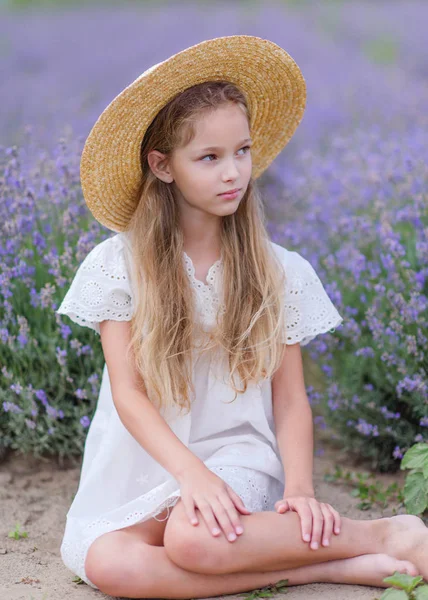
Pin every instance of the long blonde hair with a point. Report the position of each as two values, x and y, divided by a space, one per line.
250 326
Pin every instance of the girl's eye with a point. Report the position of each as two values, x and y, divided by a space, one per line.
208 155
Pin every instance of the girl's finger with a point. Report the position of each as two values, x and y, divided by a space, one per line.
306 519
317 523
328 524
337 520
209 517
238 501
190 511
221 513
283 506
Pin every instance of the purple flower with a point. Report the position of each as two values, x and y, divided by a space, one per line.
11 407
85 421
397 452
41 395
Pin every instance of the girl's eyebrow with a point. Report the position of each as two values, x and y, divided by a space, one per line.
220 148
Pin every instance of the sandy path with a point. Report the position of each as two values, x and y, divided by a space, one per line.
38 495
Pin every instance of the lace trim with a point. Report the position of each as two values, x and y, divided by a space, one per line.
209 300
100 289
258 491
75 310
211 275
308 309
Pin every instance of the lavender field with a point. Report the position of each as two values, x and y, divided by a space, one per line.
348 192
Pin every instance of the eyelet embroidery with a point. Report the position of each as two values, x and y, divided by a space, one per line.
100 289
92 298
211 275
208 299
308 309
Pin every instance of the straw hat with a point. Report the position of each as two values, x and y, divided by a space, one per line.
273 84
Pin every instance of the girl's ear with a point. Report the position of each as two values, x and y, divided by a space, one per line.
159 164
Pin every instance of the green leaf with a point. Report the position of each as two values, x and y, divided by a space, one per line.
403 581
392 594
421 593
415 494
425 470
415 457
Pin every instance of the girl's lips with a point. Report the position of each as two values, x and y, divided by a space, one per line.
230 195
230 192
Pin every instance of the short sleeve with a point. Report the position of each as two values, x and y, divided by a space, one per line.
308 309
101 288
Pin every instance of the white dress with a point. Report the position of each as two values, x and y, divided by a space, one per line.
120 483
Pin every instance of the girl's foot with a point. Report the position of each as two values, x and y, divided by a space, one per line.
367 569
407 537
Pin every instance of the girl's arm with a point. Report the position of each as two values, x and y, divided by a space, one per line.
140 417
293 422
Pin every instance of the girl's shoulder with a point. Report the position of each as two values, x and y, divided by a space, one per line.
109 259
291 260
116 244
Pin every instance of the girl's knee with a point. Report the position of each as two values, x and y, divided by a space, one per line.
179 541
192 547
96 561
110 561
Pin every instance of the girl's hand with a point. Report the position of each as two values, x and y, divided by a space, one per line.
316 518
216 500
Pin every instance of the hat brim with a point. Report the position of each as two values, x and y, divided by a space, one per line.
110 169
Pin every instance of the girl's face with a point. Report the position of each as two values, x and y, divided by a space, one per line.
217 160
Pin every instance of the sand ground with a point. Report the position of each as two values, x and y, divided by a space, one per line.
38 493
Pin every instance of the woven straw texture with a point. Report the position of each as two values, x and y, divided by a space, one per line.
110 170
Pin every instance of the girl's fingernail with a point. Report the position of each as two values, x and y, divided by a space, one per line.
239 530
337 530
314 545
326 542
306 537
216 531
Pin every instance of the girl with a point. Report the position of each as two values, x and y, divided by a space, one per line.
202 428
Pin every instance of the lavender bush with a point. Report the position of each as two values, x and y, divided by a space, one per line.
50 372
376 399
363 223
348 192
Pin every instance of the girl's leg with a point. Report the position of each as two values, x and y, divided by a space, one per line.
273 541
131 568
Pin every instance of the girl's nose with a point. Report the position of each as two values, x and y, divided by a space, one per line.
231 172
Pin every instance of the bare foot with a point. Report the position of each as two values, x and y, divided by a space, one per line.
368 569
407 538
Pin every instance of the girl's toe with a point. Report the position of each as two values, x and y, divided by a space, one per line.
408 568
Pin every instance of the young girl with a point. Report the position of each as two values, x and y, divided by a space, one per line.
202 424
